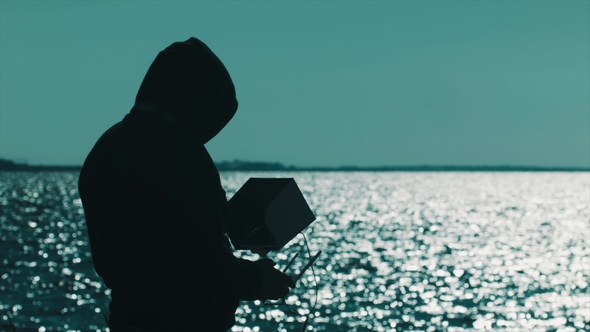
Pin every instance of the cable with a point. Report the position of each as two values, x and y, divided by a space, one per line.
283 300
313 308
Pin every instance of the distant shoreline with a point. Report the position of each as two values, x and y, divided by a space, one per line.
247 166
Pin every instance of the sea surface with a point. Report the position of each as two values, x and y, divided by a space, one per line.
462 251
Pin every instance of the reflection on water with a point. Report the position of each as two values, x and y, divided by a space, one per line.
402 251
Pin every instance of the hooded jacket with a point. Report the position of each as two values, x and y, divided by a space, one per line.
155 209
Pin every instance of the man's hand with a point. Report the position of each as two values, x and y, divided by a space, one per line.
275 284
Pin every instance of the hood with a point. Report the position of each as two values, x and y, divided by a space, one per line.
188 81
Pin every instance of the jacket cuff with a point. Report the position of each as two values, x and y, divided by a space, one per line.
250 279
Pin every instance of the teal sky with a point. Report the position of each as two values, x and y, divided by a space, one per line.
319 83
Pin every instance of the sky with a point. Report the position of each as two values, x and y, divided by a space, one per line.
319 83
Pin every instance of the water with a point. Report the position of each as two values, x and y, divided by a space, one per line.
402 251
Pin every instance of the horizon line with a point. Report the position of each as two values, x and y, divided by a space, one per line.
241 165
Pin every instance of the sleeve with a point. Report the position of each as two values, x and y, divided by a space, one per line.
180 190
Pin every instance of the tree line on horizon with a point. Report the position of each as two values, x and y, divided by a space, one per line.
240 165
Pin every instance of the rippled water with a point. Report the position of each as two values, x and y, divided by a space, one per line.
402 251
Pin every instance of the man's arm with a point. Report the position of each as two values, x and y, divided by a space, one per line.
183 198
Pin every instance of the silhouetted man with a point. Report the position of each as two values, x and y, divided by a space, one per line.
155 208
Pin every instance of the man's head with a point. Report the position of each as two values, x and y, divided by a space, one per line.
188 81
